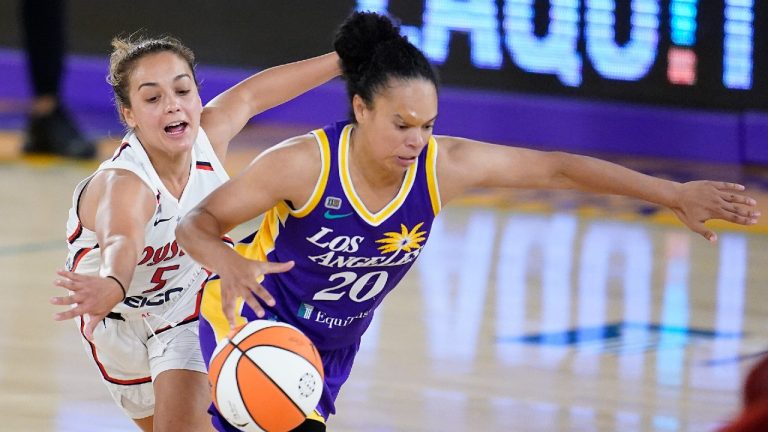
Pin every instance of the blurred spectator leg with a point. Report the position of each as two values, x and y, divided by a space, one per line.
50 128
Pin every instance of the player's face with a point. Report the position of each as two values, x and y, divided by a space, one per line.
165 105
399 124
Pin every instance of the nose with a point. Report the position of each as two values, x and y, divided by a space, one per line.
173 104
416 138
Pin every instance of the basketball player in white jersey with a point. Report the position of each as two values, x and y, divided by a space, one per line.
132 290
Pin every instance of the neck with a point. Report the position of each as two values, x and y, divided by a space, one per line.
173 169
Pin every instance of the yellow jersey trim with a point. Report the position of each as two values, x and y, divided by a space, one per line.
314 415
432 185
211 310
262 244
349 188
325 160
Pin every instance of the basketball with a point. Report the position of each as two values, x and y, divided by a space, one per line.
266 376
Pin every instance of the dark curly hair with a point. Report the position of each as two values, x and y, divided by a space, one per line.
373 52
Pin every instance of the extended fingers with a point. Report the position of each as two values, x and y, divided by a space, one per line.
739 213
739 199
89 328
737 219
70 275
69 314
730 186
263 294
64 300
228 306
737 208
93 321
69 280
260 292
255 305
65 283
229 303
276 267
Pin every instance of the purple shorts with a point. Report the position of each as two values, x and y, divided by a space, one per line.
337 365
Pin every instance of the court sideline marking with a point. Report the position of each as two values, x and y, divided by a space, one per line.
11 250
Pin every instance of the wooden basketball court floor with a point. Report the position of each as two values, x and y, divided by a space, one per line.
528 311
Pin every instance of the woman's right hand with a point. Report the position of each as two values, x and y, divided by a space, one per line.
91 295
241 280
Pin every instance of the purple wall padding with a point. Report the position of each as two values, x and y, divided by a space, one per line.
544 122
580 125
13 75
756 137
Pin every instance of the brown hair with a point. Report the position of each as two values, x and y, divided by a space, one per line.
127 51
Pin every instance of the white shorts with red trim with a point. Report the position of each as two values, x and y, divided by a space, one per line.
130 352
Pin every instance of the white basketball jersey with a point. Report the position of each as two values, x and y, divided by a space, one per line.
164 271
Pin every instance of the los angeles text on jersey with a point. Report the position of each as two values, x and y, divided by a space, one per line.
338 245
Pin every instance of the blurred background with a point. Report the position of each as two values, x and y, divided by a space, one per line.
672 78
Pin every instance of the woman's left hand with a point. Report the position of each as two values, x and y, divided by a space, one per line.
700 201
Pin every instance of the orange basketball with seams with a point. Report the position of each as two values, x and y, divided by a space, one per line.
266 376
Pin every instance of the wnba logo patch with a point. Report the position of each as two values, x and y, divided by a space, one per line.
333 203
305 311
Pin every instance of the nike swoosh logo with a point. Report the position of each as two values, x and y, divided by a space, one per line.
331 216
157 221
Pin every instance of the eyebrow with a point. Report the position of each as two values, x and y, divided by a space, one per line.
430 120
154 84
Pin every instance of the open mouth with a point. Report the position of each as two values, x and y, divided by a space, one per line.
176 128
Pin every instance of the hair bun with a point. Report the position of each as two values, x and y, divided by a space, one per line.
359 36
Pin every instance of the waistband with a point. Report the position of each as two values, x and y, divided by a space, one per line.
115 316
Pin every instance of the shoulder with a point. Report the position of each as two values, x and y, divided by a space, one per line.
461 164
131 157
290 168
294 154
118 189
450 145
288 171
452 151
465 153
120 180
295 160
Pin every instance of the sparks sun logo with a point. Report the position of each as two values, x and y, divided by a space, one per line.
404 240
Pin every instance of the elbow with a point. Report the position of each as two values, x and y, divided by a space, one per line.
196 224
185 228
561 167
181 232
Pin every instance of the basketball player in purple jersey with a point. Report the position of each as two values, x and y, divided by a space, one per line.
349 207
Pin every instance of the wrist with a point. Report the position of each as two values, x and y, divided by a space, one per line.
119 284
675 197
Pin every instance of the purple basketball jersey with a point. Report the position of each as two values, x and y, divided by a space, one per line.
347 258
